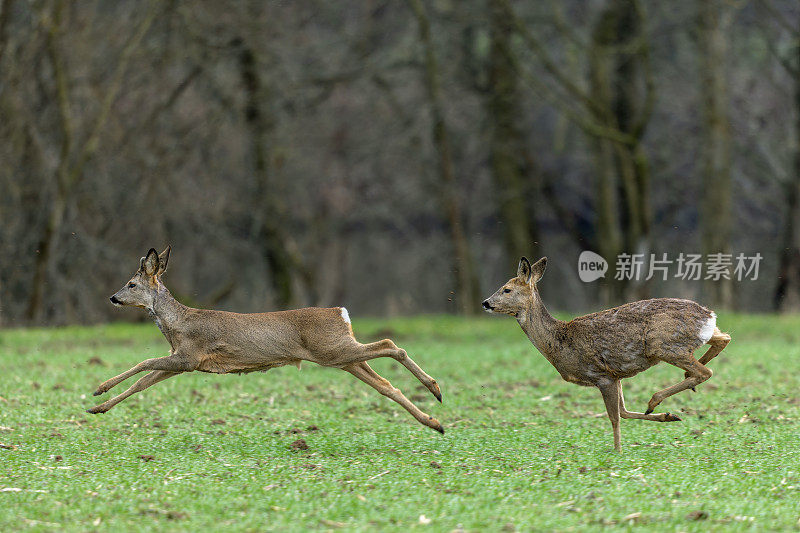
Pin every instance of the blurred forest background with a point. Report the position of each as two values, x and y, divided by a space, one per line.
396 157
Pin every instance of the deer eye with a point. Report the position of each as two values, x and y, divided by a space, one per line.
131 285
506 290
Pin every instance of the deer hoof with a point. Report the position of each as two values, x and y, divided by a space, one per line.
95 411
652 404
434 424
437 393
98 392
669 417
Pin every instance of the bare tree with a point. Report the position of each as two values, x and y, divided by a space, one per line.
270 217
467 289
506 147
74 152
786 297
613 111
5 15
623 90
714 18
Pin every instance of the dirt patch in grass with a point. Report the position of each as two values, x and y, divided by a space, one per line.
299 445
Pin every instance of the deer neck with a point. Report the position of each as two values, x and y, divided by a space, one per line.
540 326
166 311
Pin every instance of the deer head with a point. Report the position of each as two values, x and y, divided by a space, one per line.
515 295
141 290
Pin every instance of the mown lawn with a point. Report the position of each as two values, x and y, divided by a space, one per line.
523 450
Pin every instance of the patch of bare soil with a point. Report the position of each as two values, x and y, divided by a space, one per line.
299 445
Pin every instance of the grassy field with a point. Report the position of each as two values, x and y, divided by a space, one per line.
523 449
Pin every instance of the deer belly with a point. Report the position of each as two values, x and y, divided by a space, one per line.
572 378
222 367
225 362
627 364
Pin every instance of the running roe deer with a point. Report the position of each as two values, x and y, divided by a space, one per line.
221 342
600 349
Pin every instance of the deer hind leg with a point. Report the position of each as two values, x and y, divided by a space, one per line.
147 381
387 348
611 398
660 417
718 342
366 374
696 371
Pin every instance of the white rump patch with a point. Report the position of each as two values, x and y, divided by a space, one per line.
708 328
346 315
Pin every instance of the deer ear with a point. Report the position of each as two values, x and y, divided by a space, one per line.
524 270
150 263
163 259
538 268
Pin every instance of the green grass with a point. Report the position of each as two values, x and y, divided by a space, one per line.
523 449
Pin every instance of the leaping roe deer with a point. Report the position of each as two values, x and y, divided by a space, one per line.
221 342
600 349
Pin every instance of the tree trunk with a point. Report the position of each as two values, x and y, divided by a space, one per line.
467 287
787 292
269 213
5 16
618 64
45 253
715 213
270 218
506 145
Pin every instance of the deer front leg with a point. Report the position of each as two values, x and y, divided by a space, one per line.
148 381
611 398
170 363
366 374
624 413
697 374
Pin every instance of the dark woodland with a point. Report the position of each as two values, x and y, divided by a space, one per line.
393 157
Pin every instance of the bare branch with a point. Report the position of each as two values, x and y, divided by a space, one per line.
52 34
642 120
168 102
584 122
784 61
90 146
549 64
564 28
778 17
